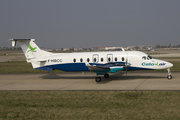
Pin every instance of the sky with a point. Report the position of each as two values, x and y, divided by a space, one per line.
90 23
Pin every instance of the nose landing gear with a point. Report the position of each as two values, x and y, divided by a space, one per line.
169 74
169 77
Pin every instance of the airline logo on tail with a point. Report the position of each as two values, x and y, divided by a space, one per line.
31 48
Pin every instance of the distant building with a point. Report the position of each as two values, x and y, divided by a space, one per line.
66 49
46 49
107 48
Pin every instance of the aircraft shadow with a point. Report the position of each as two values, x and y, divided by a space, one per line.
121 77
113 77
58 76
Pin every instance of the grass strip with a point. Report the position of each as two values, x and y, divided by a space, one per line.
90 105
19 67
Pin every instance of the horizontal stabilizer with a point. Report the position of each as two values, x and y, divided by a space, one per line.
15 40
37 60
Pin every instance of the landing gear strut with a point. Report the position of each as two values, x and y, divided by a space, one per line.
169 74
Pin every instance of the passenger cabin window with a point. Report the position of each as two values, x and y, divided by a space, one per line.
94 59
81 60
101 59
144 57
115 58
109 59
74 60
122 58
88 59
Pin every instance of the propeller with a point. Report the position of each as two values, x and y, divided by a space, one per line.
127 65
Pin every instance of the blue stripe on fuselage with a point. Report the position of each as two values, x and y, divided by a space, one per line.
70 67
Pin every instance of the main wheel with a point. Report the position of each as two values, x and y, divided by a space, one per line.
106 75
98 79
169 77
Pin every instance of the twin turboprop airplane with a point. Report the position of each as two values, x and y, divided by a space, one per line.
101 63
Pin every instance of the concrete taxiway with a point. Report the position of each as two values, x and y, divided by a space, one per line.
86 81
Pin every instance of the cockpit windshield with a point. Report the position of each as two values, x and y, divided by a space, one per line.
144 57
147 58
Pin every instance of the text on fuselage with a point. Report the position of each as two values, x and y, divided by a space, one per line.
54 60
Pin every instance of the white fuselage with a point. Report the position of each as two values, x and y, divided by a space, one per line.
100 62
78 61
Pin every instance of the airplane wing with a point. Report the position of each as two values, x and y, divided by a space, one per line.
100 69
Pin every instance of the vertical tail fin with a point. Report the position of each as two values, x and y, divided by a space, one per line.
33 53
30 49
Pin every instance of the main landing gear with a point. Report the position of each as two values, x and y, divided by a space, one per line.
98 79
169 74
106 75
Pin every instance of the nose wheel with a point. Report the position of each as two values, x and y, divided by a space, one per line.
169 77
169 74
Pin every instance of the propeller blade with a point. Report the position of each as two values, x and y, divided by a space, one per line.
126 71
126 66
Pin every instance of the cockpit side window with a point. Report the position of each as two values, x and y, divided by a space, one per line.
149 57
144 57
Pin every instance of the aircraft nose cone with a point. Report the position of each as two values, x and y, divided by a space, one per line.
170 65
